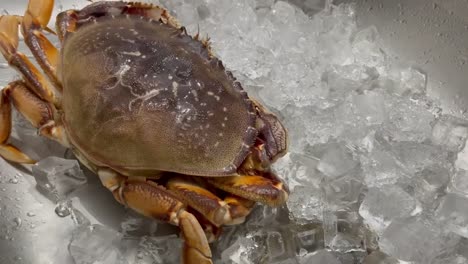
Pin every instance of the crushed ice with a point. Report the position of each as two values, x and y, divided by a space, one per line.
378 172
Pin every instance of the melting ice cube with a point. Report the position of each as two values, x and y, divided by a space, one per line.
58 177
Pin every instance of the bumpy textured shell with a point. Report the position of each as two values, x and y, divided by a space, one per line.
141 96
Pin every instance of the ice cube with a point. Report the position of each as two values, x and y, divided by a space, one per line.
453 259
342 193
319 126
429 184
350 128
409 79
278 243
273 243
366 48
263 216
459 182
240 251
58 177
408 120
416 239
305 203
370 107
381 167
414 80
136 225
450 132
336 161
311 6
319 257
381 205
159 250
95 244
378 257
308 237
334 43
276 247
453 213
343 231
343 80
298 170
462 159
415 157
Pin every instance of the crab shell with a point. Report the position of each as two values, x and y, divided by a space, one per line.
141 96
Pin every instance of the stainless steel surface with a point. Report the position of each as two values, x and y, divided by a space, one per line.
432 35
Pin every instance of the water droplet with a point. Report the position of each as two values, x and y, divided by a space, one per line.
17 221
48 186
13 181
63 209
30 214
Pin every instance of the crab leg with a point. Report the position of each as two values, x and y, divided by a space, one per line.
219 212
255 188
38 112
9 48
212 232
7 151
154 201
35 19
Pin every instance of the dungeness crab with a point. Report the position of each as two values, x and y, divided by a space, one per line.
150 110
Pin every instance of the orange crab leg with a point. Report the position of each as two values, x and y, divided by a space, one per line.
35 19
5 115
66 23
218 212
212 232
7 151
256 188
37 111
154 201
239 208
36 81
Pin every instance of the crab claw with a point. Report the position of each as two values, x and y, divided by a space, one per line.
194 252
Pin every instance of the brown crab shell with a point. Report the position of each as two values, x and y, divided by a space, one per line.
140 96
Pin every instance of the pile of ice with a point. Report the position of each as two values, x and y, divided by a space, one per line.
378 172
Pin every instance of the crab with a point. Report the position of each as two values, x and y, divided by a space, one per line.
150 110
